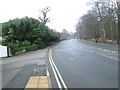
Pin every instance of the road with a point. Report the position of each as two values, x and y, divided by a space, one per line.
77 63
84 64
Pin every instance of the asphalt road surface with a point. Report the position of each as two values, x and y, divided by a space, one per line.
84 64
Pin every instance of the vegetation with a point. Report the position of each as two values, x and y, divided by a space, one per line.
0 29
0 33
100 23
26 34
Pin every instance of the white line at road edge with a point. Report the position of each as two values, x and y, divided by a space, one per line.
56 77
59 74
62 81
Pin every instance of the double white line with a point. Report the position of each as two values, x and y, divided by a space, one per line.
57 73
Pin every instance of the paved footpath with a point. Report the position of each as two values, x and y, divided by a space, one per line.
21 70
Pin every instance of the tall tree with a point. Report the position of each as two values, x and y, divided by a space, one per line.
101 17
43 17
100 21
118 5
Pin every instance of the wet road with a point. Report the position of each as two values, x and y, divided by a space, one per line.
85 64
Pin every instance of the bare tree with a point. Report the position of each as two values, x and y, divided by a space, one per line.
118 5
44 18
100 22
101 19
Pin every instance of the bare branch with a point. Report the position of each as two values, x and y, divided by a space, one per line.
44 17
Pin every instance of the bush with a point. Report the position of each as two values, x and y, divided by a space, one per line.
24 44
18 46
40 43
14 47
32 47
26 34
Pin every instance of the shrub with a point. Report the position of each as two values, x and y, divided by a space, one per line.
14 47
40 43
32 47
26 34
24 44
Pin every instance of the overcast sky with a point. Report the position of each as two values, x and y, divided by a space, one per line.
64 13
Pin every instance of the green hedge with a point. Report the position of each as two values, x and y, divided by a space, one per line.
27 34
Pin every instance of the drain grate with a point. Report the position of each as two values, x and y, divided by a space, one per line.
40 71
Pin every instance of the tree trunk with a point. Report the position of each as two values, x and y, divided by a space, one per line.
102 23
118 4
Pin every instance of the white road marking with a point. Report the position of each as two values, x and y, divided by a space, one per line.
48 74
99 48
109 57
62 81
114 52
106 50
102 54
34 69
55 74
90 51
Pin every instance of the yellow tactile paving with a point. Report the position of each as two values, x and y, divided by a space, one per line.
33 81
34 77
38 82
43 86
43 77
43 82
32 89
31 86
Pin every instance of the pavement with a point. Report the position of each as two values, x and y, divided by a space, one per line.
18 70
